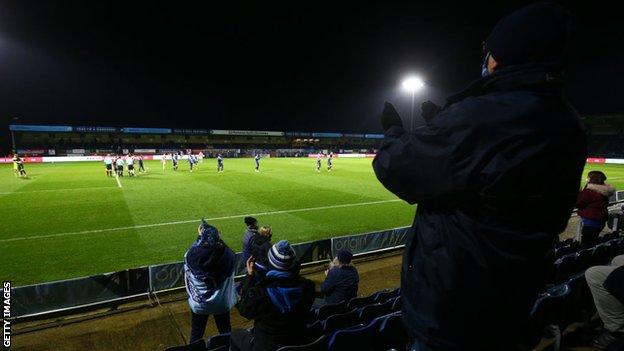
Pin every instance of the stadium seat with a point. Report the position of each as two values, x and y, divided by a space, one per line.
581 302
568 249
327 310
384 295
314 330
370 312
220 348
392 334
360 338
599 255
218 341
341 321
397 304
584 258
358 302
319 344
550 310
565 267
198 345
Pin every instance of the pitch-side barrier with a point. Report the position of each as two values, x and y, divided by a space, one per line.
65 296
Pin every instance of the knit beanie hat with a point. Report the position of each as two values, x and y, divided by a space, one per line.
536 33
282 256
208 234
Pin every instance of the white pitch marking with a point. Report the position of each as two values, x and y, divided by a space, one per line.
48 190
117 179
196 220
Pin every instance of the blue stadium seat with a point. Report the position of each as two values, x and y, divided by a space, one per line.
392 334
599 255
565 267
314 330
220 348
198 345
360 338
319 344
397 304
218 341
584 258
384 295
550 310
581 304
341 321
327 310
358 302
370 312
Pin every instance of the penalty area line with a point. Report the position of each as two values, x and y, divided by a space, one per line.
141 226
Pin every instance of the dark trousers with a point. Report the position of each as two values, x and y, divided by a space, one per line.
589 236
199 321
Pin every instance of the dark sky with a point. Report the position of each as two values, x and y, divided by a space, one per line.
260 66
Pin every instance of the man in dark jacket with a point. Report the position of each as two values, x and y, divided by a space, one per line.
341 281
278 304
486 215
252 229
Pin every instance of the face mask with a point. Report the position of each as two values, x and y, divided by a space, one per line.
484 67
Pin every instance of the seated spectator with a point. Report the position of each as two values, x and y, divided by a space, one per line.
278 304
252 229
209 278
341 281
606 284
592 205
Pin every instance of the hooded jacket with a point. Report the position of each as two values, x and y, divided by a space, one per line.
279 305
209 278
593 202
250 232
486 214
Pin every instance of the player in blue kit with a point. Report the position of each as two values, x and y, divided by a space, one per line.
174 160
219 163
329 161
318 162
257 159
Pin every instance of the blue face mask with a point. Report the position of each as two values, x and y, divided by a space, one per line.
484 67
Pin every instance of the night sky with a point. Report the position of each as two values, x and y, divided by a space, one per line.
298 67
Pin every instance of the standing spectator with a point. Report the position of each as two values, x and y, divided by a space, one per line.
259 246
607 284
341 281
209 278
487 213
592 204
278 304
252 229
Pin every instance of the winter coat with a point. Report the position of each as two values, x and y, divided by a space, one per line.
341 284
474 260
593 201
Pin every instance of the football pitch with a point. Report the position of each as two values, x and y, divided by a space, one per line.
70 220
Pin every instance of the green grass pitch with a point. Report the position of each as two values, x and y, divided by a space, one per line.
69 220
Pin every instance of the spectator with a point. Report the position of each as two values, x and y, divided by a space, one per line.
487 213
606 284
341 281
252 229
592 204
259 246
278 304
209 278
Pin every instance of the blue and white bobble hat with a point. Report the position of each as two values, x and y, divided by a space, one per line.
282 256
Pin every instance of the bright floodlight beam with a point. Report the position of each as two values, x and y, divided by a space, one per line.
412 84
